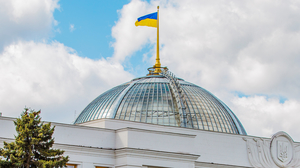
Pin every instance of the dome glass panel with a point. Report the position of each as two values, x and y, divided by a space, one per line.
157 100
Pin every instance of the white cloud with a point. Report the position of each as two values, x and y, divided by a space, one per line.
43 75
72 27
30 19
246 46
263 117
52 77
251 47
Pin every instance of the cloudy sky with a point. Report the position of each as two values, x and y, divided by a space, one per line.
58 56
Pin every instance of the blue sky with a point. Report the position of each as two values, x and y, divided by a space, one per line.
58 56
90 36
92 22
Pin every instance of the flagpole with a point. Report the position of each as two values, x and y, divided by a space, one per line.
157 63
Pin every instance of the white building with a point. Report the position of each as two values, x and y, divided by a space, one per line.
160 121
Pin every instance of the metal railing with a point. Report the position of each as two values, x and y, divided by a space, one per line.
179 97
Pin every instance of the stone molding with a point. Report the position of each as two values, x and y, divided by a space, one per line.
123 152
86 150
7 118
215 165
66 125
155 132
81 127
76 149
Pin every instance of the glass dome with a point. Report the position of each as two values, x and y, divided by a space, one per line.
163 100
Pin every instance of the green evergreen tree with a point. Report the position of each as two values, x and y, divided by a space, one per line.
33 145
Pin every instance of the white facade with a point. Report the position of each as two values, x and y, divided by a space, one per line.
125 144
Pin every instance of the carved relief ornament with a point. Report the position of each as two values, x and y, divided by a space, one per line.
279 152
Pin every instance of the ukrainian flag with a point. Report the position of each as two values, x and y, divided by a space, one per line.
147 20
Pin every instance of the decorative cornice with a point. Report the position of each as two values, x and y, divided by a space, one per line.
127 165
82 127
7 118
155 132
76 149
206 164
84 149
2 139
65 125
123 152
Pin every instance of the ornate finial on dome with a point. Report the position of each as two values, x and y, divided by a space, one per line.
153 70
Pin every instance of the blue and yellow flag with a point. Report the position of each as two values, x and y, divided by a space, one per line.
147 20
